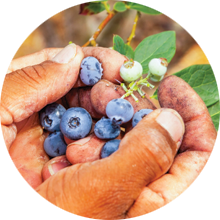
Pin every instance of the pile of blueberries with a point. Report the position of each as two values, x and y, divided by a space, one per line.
76 123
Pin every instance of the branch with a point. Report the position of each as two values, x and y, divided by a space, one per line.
92 40
132 35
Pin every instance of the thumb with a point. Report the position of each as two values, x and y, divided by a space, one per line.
107 188
28 90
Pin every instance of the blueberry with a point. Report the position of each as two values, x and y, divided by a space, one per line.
105 129
76 123
110 147
50 116
54 144
139 115
119 111
91 71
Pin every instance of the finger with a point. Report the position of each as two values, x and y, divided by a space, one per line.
72 97
200 147
82 97
106 188
54 165
195 149
33 59
110 60
27 151
85 150
85 102
28 90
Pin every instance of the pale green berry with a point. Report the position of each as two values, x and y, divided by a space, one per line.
131 70
158 67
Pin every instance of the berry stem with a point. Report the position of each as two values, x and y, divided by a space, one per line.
92 40
128 92
106 6
124 87
132 35
142 94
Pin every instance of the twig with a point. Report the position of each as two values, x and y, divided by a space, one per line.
132 35
92 40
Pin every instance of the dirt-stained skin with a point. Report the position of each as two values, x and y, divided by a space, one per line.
175 93
142 176
85 102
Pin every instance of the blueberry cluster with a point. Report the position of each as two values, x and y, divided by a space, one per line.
76 123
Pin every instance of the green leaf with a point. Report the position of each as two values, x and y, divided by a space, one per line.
148 7
122 48
162 45
201 78
91 8
131 2
214 111
120 6
155 95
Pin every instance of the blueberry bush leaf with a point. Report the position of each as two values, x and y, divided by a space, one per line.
162 45
214 112
120 6
91 8
148 7
201 78
131 2
122 48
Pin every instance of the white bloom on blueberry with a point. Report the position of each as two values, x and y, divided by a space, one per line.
131 70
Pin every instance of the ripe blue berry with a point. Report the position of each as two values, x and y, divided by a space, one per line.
119 111
139 115
105 129
157 68
131 70
110 147
76 123
54 144
50 117
91 71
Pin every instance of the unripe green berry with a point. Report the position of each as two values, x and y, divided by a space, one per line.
131 70
158 67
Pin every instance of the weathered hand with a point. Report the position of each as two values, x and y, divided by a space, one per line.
33 82
141 176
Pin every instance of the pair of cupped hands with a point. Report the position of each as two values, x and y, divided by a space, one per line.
156 161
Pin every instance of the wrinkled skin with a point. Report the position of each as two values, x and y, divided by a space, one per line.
143 175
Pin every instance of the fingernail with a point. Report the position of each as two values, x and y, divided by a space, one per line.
173 123
56 166
66 54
